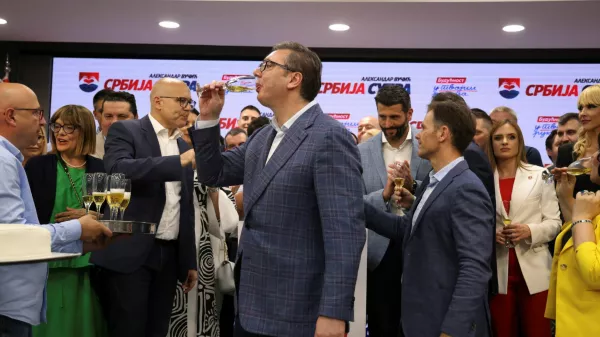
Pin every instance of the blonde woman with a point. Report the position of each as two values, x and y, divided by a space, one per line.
522 255
574 296
586 146
37 149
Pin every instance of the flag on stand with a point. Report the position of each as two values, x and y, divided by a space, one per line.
6 77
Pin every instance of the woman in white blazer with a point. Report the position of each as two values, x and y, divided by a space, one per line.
523 259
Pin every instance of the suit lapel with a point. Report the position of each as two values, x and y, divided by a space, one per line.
437 191
286 148
376 151
150 136
415 160
499 204
525 180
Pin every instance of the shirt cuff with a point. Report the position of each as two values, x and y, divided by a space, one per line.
204 124
65 234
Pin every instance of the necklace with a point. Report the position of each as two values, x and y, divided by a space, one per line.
73 166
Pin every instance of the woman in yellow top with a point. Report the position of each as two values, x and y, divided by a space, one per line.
574 295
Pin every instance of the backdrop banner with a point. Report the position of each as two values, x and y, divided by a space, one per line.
539 93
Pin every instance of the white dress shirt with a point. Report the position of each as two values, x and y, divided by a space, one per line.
168 228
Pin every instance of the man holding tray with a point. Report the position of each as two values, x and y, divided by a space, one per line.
22 286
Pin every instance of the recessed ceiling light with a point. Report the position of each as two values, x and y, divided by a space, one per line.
513 28
339 27
3 22
168 24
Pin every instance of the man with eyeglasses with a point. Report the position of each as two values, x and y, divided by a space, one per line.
22 286
304 232
141 273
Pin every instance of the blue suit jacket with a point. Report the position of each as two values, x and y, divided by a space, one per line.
446 265
132 148
304 230
375 178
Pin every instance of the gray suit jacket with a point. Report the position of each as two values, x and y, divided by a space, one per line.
446 265
375 177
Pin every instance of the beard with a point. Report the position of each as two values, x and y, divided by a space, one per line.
400 130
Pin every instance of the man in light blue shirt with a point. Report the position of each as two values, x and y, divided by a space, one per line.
22 286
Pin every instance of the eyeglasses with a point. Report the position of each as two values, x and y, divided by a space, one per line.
183 101
268 64
39 113
67 128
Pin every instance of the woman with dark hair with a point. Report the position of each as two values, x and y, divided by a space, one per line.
527 218
574 296
56 187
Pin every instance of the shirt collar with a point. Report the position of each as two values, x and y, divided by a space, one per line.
287 125
408 136
159 128
11 148
439 175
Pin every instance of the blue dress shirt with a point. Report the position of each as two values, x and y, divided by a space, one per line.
434 179
23 286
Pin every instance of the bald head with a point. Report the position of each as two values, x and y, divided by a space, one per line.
17 95
171 103
366 124
20 115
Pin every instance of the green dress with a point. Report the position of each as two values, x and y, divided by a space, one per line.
73 310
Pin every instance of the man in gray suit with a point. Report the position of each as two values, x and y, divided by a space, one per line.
395 143
445 235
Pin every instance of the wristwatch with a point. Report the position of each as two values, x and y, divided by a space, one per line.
213 189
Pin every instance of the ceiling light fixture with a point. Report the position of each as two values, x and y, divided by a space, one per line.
168 24
339 27
3 22
513 28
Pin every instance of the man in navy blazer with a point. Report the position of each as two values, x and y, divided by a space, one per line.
304 231
395 143
140 273
445 235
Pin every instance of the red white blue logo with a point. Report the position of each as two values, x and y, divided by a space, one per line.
509 87
88 81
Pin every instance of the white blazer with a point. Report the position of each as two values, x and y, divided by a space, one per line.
534 203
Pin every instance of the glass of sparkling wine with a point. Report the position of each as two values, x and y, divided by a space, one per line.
244 83
115 195
507 221
87 190
126 197
100 186
577 167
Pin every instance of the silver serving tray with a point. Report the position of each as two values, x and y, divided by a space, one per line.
130 227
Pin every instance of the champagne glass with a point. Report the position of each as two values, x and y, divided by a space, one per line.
577 167
115 195
244 83
100 186
507 221
126 196
87 190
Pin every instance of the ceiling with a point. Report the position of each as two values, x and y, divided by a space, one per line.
374 24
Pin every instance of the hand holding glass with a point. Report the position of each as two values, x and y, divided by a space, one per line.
507 221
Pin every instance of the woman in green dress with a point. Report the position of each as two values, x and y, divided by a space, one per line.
73 310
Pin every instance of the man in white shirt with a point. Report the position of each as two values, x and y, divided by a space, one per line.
304 232
141 273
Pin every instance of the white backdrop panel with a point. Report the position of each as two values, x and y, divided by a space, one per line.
539 93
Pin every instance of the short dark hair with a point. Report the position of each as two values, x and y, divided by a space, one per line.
480 114
550 139
121 96
257 124
449 96
100 95
457 117
235 131
564 119
391 94
306 62
250 107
